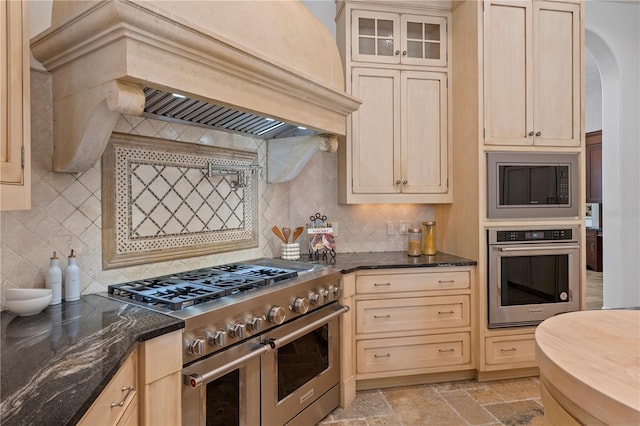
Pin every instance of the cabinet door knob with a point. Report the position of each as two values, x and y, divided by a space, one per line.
404 53
404 182
538 133
530 133
398 182
397 52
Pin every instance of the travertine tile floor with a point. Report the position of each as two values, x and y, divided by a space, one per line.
504 402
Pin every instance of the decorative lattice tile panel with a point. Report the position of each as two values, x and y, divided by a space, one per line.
165 200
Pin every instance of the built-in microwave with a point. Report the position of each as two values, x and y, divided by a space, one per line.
523 185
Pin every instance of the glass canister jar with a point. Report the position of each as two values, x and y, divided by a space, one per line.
415 239
429 233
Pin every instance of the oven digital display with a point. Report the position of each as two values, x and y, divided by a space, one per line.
535 235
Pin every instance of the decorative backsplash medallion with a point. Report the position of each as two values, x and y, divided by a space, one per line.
165 200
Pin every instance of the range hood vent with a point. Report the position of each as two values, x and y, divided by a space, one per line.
181 109
267 58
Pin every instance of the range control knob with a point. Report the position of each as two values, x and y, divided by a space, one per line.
300 305
276 315
333 293
319 297
196 346
254 324
237 330
217 337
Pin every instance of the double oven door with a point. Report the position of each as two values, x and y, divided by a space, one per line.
289 375
532 280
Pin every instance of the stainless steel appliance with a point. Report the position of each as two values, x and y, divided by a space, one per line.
533 274
261 340
532 185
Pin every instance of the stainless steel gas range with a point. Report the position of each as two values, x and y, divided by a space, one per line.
261 340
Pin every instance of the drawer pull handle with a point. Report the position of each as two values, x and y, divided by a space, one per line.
446 350
445 312
508 350
381 284
382 356
128 390
382 316
446 281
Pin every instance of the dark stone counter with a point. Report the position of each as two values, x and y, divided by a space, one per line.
351 262
55 364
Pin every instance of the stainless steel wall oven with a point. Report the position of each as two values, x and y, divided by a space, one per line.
533 274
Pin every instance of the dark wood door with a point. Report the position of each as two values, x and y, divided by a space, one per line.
594 166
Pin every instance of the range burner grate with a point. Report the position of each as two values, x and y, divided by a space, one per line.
184 289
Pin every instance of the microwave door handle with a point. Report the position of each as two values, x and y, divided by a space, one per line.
539 248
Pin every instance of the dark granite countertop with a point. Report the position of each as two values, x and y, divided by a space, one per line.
55 364
351 262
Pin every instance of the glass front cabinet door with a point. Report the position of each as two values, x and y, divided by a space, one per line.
399 39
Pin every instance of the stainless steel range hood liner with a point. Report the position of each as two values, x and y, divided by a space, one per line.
103 53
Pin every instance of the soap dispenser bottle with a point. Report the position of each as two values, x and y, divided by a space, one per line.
53 280
71 280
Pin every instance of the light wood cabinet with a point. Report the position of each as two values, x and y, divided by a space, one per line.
516 351
397 144
411 322
118 402
532 73
392 38
146 390
15 134
399 136
160 374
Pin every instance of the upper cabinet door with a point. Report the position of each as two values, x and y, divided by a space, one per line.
375 37
532 89
556 76
424 40
375 141
15 135
508 70
424 146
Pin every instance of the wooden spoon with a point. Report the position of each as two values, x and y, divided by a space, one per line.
278 233
286 232
296 233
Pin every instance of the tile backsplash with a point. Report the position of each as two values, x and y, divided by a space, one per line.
66 208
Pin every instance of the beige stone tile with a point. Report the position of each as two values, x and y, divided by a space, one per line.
517 413
468 407
459 385
513 390
77 223
383 421
367 403
421 405
354 422
485 395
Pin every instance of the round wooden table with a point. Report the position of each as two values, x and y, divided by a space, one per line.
590 367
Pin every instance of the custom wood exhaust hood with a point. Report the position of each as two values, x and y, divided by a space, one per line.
268 58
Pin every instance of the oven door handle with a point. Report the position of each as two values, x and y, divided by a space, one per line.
540 248
195 380
277 343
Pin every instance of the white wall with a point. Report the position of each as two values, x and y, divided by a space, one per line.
613 37
593 94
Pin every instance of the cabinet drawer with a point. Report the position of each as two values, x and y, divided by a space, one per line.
420 313
407 353
388 283
510 349
101 412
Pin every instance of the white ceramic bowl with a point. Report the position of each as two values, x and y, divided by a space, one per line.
26 293
27 303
